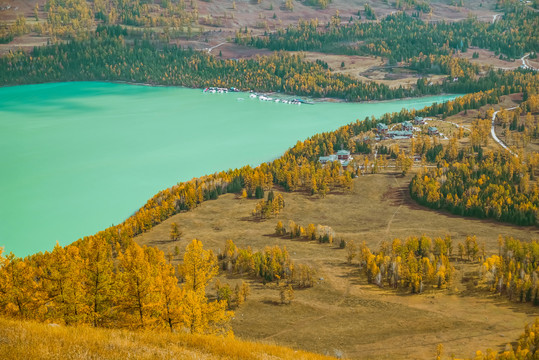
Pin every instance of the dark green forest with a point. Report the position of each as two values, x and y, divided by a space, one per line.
400 36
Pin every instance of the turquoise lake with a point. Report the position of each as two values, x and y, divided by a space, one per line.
79 157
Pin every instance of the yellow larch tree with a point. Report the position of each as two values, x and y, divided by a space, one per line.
137 296
199 267
98 279
19 293
199 315
169 300
63 280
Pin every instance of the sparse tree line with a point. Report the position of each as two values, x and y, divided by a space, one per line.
445 64
415 264
514 272
419 5
322 233
167 13
18 28
401 37
234 298
270 264
271 206
322 4
101 285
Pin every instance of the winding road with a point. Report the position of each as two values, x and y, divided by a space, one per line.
526 64
214 47
493 132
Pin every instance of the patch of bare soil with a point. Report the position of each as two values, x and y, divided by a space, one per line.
11 9
448 11
25 42
489 58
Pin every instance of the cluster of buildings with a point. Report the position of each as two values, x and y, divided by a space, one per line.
343 156
406 131
418 120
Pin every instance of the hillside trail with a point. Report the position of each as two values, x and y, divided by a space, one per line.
401 202
331 279
493 131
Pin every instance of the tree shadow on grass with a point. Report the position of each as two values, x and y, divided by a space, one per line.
271 302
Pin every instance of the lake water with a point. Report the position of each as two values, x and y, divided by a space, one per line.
79 157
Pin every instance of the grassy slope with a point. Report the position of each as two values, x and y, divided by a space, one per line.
342 313
27 340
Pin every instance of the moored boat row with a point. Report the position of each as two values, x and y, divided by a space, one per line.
219 90
253 95
263 97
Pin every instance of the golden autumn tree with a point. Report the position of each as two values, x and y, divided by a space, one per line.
137 292
199 315
63 279
279 228
168 298
199 267
175 232
19 293
98 279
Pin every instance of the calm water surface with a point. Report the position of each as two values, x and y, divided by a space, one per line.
79 157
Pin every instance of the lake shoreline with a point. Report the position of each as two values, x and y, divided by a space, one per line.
87 142
314 100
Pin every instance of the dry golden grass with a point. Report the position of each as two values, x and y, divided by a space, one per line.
27 340
342 314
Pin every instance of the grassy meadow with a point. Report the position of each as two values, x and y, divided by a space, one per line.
28 340
342 313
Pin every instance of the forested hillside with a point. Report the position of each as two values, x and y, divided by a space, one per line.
400 37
